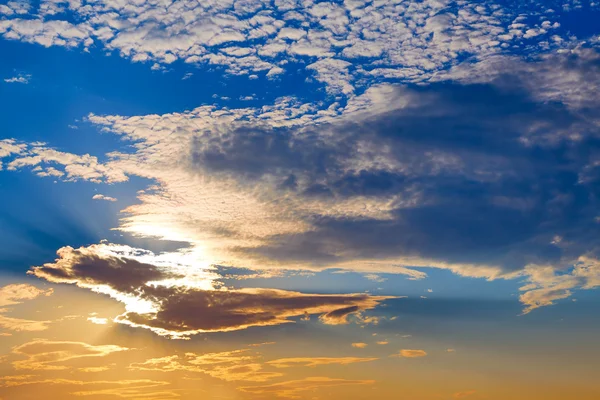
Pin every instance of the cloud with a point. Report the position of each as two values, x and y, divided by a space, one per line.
546 285
462 395
52 355
316 361
98 321
156 299
379 39
94 369
126 388
11 146
294 389
359 345
477 172
19 79
22 325
236 365
44 161
407 353
15 294
103 197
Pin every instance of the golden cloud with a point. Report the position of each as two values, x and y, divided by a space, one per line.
236 365
408 353
316 361
294 389
52 355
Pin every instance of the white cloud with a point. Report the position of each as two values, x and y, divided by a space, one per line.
103 197
21 78
411 41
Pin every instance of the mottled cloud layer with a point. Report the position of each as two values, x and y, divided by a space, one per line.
342 43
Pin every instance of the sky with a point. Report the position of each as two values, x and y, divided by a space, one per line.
288 199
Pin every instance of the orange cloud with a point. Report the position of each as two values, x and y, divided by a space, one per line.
15 294
410 353
293 389
237 365
461 395
50 355
127 388
316 361
359 345
22 325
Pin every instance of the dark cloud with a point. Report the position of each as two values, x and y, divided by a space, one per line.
184 310
88 267
496 173
178 310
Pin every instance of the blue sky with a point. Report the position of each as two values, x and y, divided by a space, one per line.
172 154
70 70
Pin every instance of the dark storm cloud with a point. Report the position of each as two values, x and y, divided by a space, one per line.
499 173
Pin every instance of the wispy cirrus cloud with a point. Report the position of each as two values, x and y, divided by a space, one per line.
294 389
15 294
125 388
54 355
236 365
316 361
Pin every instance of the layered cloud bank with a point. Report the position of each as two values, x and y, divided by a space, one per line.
487 167
489 179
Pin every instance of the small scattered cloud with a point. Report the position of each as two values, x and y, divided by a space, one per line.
408 353
21 78
98 321
375 278
103 197
359 345
462 395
